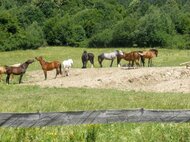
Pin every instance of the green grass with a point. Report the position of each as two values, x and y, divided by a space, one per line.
131 132
21 98
166 57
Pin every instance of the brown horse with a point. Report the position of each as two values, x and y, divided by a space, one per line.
48 66
132 57
20 70
149 55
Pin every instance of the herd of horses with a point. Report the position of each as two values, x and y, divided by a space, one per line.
134 58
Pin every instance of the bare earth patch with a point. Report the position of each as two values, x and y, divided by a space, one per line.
155 79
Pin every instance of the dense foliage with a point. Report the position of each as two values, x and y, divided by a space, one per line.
29 24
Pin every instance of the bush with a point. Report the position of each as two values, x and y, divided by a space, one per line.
30 38
103 39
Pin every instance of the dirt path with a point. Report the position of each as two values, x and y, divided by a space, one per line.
163 79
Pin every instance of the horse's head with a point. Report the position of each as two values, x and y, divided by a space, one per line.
39 58
85 52
30 61
155 51
119 53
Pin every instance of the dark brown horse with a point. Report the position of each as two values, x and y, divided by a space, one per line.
85 57
149 55
132 57
20 70
48 66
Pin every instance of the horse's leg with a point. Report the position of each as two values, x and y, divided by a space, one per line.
84 64
100 62
137 63
142 61
92 62
118 61
57 72
45 74
111 62
60 70
149 62
20 79
133 63
7 78
12 77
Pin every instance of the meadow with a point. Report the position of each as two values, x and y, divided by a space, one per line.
22 98
166 57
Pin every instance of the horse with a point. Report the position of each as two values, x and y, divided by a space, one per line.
85 57
133 57
109 56
48 66
67 64
19 70
3 70
149 55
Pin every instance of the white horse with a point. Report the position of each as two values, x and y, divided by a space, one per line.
109 56
67 64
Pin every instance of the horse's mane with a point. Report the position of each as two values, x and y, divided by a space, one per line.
153 49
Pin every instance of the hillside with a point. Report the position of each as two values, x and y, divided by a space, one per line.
29 24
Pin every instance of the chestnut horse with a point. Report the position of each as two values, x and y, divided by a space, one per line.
20 70
48 66
133 57
149 55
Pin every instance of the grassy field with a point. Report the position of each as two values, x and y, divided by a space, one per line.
21 98
34 98
166 57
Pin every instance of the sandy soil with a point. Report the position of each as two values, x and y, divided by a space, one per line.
155 79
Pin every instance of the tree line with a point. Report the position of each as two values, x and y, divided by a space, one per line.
29 24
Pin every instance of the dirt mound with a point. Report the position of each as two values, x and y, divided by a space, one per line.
164 79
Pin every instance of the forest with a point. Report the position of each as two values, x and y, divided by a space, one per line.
30 24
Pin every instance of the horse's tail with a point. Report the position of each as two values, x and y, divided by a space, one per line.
60 70
142 57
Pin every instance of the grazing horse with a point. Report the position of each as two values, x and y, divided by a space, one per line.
133 57
149 55
85 57
67 64
19 70
109 56
48 66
